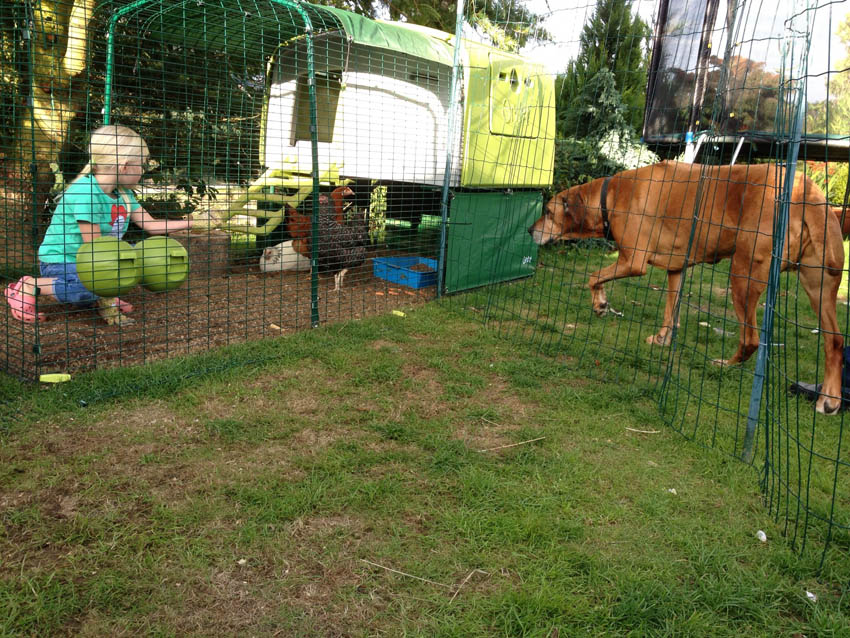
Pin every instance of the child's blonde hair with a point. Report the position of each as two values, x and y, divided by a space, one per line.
112 145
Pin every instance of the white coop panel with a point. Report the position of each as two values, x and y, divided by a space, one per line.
381 115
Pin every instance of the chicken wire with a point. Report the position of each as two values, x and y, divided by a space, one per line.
207 86
713 83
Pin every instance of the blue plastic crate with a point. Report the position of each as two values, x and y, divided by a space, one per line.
398 270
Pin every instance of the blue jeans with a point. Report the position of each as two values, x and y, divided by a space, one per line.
67 286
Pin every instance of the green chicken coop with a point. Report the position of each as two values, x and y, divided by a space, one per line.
382 121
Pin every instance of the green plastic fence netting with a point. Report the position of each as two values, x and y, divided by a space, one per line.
727 82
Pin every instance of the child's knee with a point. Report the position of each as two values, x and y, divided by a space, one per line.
67 287
76 294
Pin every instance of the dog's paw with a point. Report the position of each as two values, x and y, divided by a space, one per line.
605 309
828 405
721 363
661 339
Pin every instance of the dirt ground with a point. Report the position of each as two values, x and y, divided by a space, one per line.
204 313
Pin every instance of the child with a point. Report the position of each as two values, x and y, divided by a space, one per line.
99 202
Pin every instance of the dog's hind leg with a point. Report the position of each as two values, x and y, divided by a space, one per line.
665 334
821 285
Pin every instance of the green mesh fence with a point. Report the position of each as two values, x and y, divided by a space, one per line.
288 143
706 84
230 98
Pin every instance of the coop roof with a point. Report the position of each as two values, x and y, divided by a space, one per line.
237 27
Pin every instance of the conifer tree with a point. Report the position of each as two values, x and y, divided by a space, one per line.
614 40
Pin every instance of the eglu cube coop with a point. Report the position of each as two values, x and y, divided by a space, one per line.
249 109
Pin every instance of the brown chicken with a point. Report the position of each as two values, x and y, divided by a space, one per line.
299 225
342 243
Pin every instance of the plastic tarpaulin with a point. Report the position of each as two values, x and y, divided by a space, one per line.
412 39
488 238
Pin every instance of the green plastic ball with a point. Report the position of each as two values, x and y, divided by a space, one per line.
107 266
163 263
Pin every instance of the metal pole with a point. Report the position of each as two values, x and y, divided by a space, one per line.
780 228
314 139
29 33
314 151
454 102
110 54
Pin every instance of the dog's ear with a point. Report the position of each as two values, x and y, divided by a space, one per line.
576 212
552 205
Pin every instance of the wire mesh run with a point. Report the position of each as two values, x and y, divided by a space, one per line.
649 272
297 153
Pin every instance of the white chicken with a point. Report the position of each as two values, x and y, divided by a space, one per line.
283 256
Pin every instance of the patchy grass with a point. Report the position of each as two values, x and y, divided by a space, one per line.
415 476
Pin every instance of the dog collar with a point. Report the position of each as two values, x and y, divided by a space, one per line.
603 198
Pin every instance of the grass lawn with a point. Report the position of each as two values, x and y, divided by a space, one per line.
397 476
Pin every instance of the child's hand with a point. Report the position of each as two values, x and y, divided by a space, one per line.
204 220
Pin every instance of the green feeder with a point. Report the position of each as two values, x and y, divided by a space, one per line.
107 266
163 263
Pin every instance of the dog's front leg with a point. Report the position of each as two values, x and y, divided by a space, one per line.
599 300
623 267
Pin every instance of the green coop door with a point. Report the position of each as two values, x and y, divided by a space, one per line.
488 238
515 98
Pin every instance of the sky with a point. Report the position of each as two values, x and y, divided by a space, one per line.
567 17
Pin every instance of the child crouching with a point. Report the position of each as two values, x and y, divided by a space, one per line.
99 202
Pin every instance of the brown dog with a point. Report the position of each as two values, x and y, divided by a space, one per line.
648 212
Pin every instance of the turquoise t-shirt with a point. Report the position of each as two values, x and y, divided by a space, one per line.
84 201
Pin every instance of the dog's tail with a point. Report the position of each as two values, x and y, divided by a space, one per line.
824 229
843 216
824 224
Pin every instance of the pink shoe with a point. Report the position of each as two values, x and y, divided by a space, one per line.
22 304
124 306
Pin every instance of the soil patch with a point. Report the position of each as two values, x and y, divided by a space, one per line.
202 314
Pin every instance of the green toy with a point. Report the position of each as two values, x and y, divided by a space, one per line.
163 263
107 266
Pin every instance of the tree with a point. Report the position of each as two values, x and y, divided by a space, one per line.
44 53
833 114
609 143
615 40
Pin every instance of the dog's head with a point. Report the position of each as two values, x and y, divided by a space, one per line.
564 217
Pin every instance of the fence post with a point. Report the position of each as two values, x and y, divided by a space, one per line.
453 105
314 152
780 228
